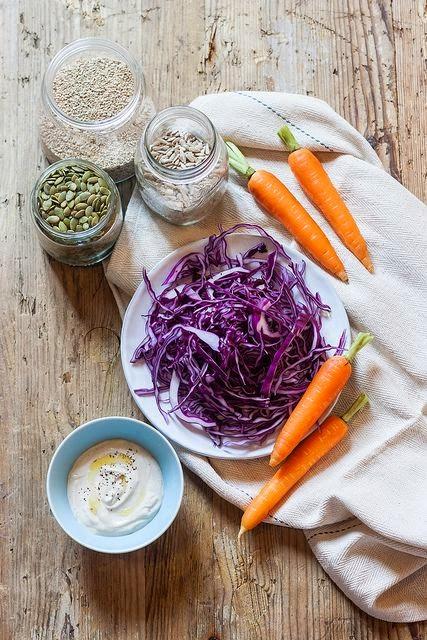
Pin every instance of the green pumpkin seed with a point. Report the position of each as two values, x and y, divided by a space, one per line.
73 199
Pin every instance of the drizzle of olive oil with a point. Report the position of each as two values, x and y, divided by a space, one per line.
93 504
108 459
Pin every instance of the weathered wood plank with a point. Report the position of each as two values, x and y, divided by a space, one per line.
60 337
410 38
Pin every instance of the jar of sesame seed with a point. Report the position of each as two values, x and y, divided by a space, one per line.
181 165
94 106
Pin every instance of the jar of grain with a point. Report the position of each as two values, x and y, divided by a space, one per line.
181 165
94 106
77 213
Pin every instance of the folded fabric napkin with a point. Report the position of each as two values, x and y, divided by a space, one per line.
364 507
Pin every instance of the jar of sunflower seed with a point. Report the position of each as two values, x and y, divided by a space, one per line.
181 165
77 212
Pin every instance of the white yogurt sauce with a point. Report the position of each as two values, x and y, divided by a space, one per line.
115 487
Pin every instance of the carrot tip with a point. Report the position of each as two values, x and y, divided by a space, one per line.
241 532
368 264
274 461
342 275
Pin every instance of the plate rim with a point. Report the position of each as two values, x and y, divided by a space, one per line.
249 455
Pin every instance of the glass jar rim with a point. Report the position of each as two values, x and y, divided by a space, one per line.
77 235
181 111
83 45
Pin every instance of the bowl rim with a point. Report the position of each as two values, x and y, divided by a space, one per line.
72 435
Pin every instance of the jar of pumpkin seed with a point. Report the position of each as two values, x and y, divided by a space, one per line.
77 212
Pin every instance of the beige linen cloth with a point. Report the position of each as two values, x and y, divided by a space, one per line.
364 507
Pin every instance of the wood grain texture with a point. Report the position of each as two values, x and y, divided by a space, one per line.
59 342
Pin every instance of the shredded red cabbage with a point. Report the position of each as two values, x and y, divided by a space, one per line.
233 342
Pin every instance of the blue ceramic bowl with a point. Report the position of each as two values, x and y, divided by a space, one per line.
85 437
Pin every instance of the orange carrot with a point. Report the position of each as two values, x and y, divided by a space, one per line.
296 466
325 387
316 183
273 196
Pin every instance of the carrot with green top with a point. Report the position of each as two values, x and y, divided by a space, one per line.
301 460
278 201
316 183
325 387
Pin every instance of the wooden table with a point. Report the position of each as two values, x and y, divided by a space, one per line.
60 331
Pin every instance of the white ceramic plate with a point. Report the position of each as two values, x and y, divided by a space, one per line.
193 437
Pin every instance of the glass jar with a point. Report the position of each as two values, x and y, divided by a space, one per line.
182 196
109 142
81 248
